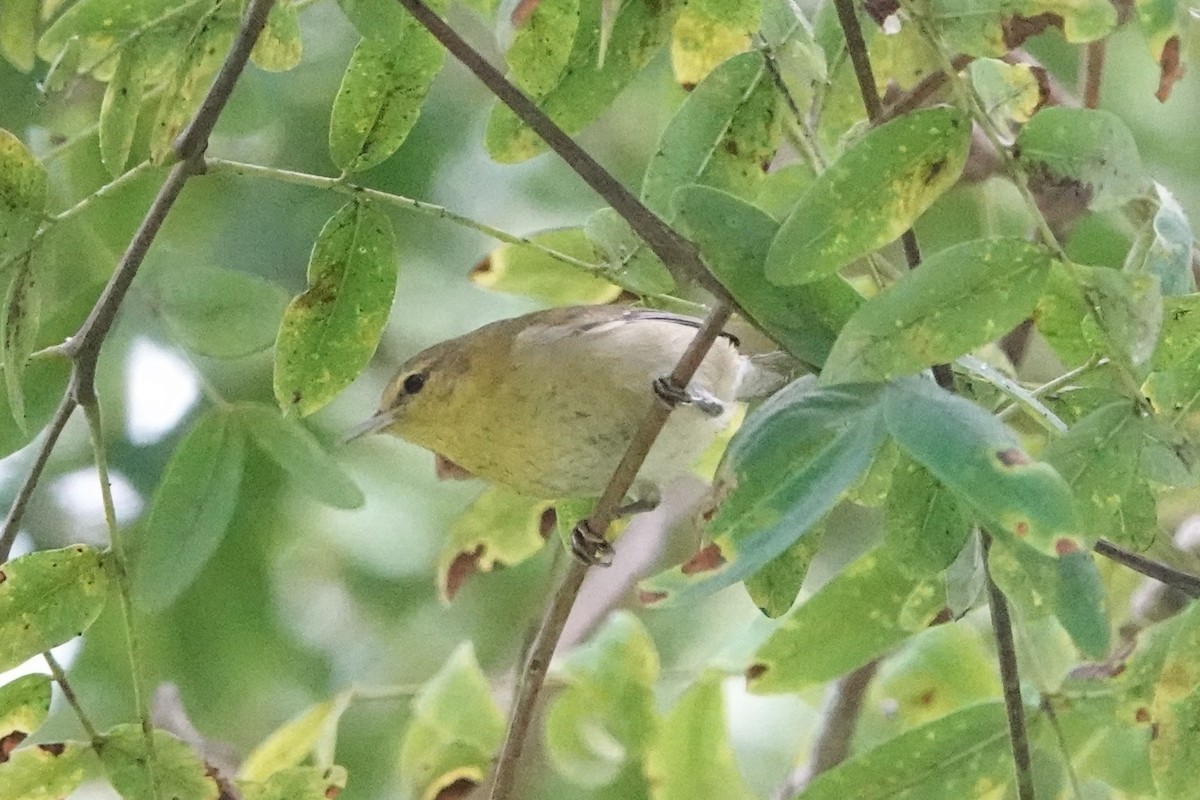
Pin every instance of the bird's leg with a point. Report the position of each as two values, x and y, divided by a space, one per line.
673 395
590 547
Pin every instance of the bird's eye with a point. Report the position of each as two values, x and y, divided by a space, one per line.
414 383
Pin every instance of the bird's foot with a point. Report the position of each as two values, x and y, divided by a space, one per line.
590 547
674 395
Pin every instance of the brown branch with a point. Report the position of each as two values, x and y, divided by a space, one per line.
676 252
534 671
915 97
1092 73
1010 679
1187 583
84 347
843 705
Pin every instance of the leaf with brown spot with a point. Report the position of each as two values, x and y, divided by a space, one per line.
708 558
45 772
24 704
501 528
178 771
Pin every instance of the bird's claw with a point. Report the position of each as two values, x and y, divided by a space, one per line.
589 547
674 395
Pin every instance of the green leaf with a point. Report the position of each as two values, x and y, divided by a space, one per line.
24 704
586 87
1125 313
1164 246
455 731
177 770
500 529
873 597
1010 93
938 671
963 754
18 32
380 97
980 459
1174 750
97 24
959 299
1066 586
297 783
48 771
785 468
927 528
774 588
691 756
279 47
628 261
121 106
722 136
196 64
733 237
707 32
310 732
529 270
1089 150
378 19
294 449
329 333
1101 458
22 196
981 27
192 507
542 45
604 720
871 195
21 315
47 598
219 313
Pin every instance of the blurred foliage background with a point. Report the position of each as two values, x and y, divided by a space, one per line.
302 600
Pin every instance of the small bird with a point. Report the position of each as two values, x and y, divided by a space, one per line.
547 403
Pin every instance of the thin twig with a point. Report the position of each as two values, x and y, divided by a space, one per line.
1185 582
676 252
1092 73
839 720
60 677
534 672
1010 680
16 512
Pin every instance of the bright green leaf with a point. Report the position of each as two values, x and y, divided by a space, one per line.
733 237
529 270
380 97
21 315
329 333
22 196
871 195
1125 313
707 32
774 588
294 449
191 510
627 259
24 704
1010 93
297 783
1100 457
927 528
982 27
872 597
1088 149
196 63
99 23
18 32
691 756
604 719
500 529
294 741
542 44
120 108
279 48
455 731
585 89
1174 749
980 459
47 598
786 467
378 19
961 298
941 669
177 770
722 136
45 772
963 754
219 313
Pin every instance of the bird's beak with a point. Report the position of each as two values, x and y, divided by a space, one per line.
375 424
